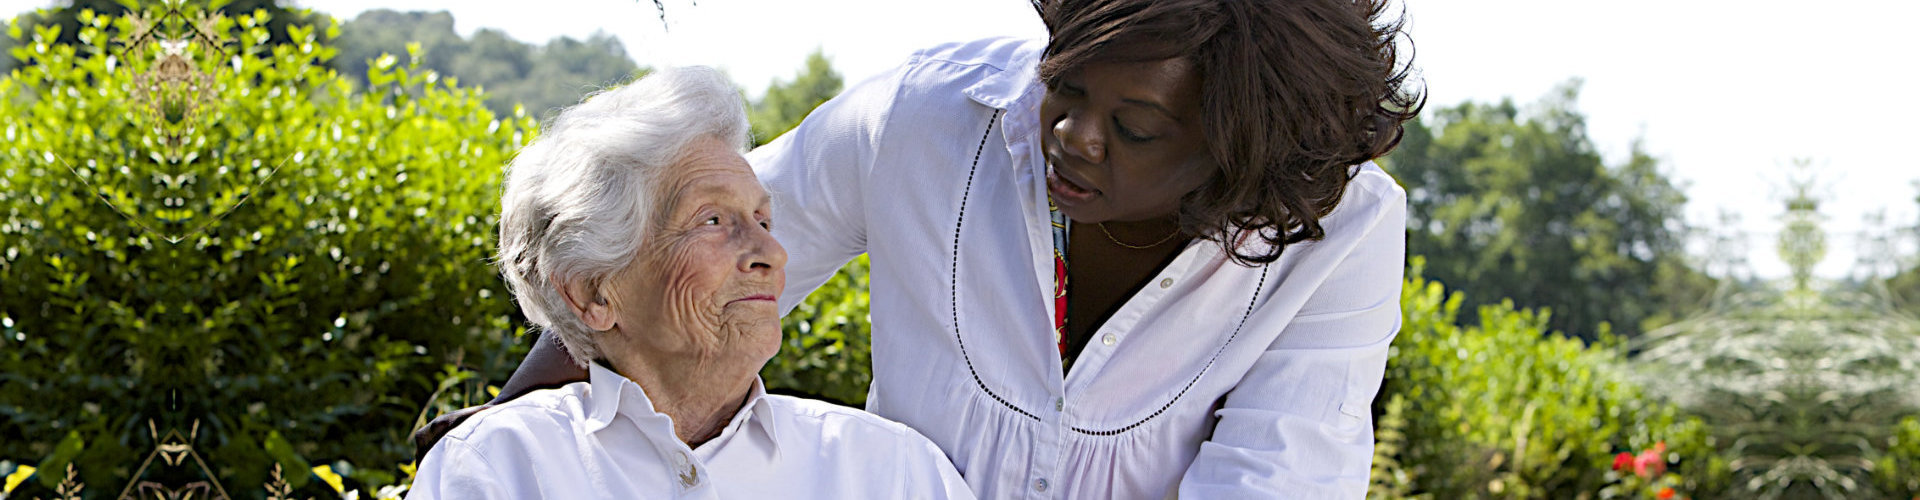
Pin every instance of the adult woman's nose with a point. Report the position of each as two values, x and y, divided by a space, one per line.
1081 137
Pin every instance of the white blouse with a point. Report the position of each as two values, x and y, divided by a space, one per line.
1219 380
602 439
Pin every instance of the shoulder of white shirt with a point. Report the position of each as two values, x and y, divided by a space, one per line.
996 51
527 412
838 418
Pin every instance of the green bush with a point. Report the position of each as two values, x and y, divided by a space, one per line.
825 351
1501 410
1898 471
206 234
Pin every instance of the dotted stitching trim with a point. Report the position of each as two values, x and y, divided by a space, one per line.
1203 370
954 281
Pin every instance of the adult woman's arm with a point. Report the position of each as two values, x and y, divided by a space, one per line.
818 174
1299 424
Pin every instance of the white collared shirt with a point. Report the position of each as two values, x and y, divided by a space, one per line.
602 439
1218 380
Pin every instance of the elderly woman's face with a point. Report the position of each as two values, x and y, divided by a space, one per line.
709 272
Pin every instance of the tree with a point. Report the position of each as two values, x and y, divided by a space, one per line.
6 54
786 103
565 70
1905 286
1510 205
543 78
1808 382
381 31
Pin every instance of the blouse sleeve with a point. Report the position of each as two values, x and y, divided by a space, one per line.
1300 424
818 174
453 469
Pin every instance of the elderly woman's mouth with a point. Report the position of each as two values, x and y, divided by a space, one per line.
769 298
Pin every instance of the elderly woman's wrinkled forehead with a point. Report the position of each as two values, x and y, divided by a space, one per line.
710 171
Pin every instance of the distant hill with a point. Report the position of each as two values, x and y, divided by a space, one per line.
541 77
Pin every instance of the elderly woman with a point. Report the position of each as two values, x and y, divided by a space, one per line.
634 232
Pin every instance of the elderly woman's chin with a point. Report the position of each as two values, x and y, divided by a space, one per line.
754 328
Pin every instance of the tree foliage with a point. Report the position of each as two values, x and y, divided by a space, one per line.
1502 410
1806 380
206 233
543 78
1905 285
786 103
1511 204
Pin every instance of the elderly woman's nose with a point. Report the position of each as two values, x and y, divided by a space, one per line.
1081 138
763 252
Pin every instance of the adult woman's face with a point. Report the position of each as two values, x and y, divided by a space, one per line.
1124 141
704 286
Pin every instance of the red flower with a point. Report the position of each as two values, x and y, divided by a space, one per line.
1665 493
1649 464
1622 461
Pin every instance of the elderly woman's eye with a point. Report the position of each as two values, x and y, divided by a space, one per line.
711 221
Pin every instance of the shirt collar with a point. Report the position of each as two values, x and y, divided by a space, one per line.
1016 83
612 393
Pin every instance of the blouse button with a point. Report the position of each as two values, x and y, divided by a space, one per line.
1040 485
1109 339
1168 282
1059 404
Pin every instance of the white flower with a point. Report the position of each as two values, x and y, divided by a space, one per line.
390 492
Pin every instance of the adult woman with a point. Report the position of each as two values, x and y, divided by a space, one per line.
635 234
1147 257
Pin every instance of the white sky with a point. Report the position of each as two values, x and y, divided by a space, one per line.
1726 93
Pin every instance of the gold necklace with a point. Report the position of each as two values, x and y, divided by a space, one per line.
1116 241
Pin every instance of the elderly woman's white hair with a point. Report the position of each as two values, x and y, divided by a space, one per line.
579 199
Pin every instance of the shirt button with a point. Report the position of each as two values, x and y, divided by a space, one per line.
1040 485
1059 404
1164 283
1109 339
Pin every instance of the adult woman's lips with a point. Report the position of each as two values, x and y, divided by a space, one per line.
1067 192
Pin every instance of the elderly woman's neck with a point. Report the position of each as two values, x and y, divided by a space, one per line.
700 400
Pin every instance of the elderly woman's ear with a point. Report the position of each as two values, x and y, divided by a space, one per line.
589 303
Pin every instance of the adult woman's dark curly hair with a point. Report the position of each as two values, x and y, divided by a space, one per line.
1293 94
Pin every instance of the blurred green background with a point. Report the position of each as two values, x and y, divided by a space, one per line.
258 238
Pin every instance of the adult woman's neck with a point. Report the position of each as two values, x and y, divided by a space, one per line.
700 397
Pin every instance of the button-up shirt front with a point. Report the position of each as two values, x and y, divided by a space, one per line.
1215 380
602 439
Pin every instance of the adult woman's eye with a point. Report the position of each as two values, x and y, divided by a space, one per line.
1066 89
1128 134
711 221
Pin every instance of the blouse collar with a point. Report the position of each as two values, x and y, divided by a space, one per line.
614 394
